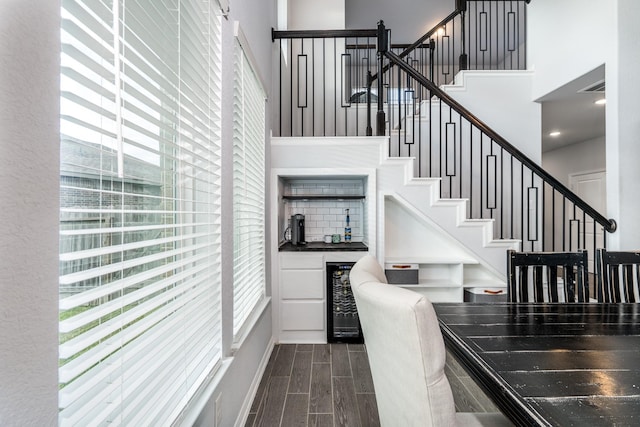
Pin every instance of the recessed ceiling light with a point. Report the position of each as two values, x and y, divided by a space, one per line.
554 133
601 101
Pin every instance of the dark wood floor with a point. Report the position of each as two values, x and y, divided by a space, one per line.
316 385
329 385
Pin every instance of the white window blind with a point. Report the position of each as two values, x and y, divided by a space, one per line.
140 208
248 189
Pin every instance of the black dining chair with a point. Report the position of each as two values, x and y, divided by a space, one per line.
530 274
618 275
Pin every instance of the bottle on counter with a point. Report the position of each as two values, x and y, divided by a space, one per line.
347 229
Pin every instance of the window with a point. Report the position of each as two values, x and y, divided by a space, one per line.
140 208
248 188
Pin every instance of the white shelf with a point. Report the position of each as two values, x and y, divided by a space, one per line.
480 283
431 284
430 260
444 278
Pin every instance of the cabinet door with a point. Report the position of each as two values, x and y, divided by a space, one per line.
302 315
301 261
301 284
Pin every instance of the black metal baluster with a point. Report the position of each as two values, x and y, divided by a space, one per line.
544 195
564 221
291 88
522 237
450 150
486 34
481 175
302 105
430 133
453 49
335 87
477 35
324 87
280 87
491 170
511 176
533 194
501 193
345 88
584 232
553 220
313 88
471 168
460 169
440 138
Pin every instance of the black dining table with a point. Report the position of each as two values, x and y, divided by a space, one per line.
551 364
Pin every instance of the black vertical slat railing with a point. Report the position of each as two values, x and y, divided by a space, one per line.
322 78
477 35
476 163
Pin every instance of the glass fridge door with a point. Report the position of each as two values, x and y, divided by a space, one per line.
343 324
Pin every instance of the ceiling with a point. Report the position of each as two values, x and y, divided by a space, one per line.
573 113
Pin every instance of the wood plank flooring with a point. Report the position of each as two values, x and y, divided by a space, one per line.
330 385
316 385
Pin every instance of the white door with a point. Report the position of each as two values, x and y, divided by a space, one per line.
592 188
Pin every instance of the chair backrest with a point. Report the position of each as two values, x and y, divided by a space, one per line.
530 274
618 275
405 350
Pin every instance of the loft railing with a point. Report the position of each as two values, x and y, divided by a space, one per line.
321 86
477 35
326 89
323 76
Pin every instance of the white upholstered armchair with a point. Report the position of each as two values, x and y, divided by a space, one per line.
407 355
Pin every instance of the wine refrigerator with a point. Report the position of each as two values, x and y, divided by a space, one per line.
343 324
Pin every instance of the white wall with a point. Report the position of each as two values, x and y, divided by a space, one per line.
623 128
567 39
29 171
502 99
407 19
587 156
594 33
316 15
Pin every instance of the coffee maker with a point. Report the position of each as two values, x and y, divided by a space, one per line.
297 230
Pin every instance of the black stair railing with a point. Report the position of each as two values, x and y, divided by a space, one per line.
474 162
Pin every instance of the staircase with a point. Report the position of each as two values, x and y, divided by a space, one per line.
475 190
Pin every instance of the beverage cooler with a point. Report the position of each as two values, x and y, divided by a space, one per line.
343 324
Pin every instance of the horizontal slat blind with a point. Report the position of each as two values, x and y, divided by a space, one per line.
248 190
140 208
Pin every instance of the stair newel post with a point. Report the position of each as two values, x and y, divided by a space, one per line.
369 83
383 43
461 6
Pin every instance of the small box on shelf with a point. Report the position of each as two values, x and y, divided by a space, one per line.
488 294
401 273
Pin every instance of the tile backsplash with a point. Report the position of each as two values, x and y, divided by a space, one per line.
327 216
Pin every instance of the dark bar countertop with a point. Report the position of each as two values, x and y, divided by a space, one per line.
323 247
